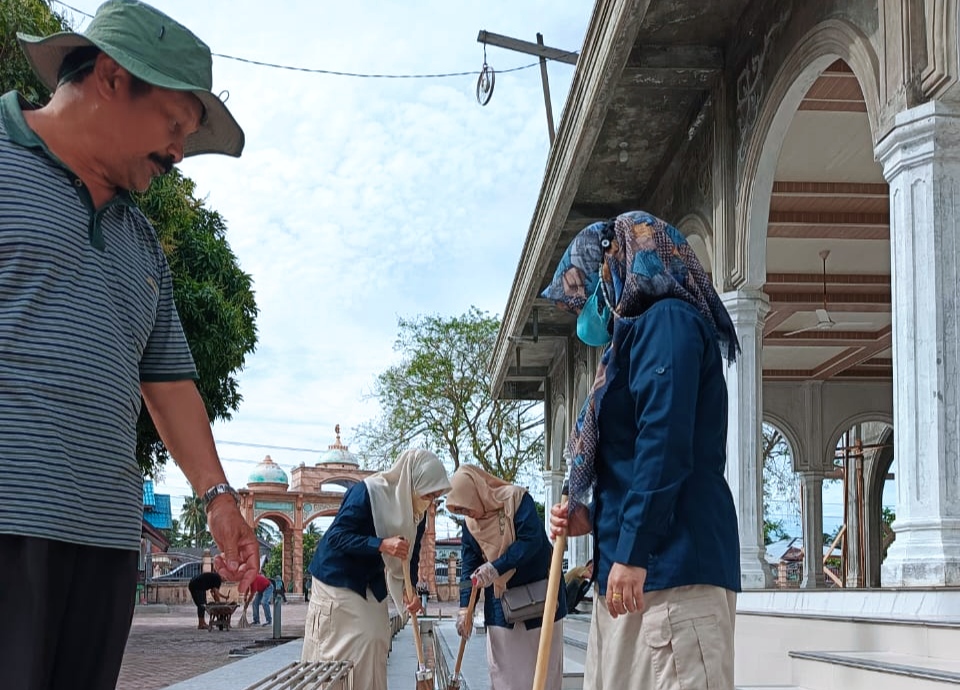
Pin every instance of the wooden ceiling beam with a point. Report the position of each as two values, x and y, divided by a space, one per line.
852 357
872 190
813 338
804 300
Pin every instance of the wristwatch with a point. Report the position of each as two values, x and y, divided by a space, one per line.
217 490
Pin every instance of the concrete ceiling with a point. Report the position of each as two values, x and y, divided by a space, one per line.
828 194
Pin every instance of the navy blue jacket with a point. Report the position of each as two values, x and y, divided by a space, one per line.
662 501
349 553
530 554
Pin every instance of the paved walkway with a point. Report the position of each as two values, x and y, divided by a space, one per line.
166 647
165 650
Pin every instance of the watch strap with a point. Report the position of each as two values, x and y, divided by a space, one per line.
219 490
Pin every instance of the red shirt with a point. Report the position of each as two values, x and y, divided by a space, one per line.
260 583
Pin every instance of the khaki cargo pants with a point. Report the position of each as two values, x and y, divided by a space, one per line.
682 641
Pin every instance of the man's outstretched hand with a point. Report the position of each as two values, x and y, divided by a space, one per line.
239 557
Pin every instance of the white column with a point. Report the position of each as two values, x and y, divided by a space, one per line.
812 516
748 309
921 161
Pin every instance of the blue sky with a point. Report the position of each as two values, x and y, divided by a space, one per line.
360 200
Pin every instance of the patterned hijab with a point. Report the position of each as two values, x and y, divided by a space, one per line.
497 501
640 260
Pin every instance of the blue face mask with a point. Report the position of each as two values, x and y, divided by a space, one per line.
593 319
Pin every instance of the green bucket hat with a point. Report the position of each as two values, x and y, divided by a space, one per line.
153 47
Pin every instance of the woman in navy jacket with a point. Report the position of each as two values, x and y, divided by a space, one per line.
505 545
647 458
373 539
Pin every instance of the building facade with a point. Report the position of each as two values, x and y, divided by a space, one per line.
810 152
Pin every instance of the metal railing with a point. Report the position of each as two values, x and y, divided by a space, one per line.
310 675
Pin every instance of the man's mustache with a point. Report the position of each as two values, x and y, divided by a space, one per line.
165 162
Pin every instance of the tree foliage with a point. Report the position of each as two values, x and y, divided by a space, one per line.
214 297
31 17
438 396
193 521
274 565
781 485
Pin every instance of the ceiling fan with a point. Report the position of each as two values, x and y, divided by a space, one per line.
824 322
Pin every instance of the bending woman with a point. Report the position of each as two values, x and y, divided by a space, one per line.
505 545
375 535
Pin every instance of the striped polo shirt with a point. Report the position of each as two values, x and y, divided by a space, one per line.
86 314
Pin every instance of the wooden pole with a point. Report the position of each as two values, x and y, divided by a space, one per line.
454 683
543 52
424 677
549 612
546 91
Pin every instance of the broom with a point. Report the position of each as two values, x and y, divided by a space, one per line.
244 623
424 675
454 682
549 610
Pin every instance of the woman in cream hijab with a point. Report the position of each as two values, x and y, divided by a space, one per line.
375 535
505 545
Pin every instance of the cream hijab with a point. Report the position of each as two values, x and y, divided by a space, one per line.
497 500
397 507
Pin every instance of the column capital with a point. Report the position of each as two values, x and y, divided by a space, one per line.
920 135
746 305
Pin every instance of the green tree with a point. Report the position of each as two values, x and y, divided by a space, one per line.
773 531
32 17
268 533
887 535
781 485
194 520
274 565
438 396
213 296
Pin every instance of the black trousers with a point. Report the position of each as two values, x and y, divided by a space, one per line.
199 598
65 613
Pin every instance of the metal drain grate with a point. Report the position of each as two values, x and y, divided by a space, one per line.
313 675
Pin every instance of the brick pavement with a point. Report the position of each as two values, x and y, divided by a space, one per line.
165 648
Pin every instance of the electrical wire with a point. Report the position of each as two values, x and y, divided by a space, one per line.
355 75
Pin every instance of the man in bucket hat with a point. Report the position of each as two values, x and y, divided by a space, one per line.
87 327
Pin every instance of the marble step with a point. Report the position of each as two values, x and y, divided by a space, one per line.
834 670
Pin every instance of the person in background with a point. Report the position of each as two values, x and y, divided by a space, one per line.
279 589
577 581
199 586
373 540
504 545
261 592
89 333
647 458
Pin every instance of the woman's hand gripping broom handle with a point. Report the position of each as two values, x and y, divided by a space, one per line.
411 595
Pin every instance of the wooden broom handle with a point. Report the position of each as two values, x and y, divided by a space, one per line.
549 611
463 640
416 626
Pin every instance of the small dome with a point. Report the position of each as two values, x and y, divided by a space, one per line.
337 453
268 472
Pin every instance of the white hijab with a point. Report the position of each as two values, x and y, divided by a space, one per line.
393 493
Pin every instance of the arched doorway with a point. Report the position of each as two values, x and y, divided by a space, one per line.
314 492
